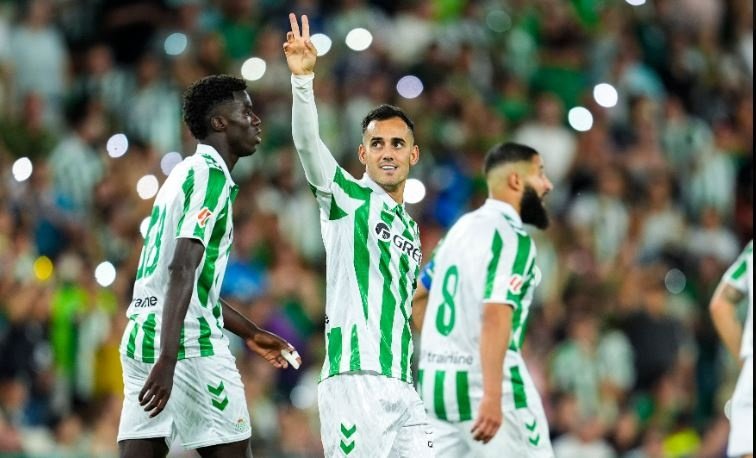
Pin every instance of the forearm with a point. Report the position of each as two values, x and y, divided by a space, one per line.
727 325
180 288
318 162
237 323
494 340
419 304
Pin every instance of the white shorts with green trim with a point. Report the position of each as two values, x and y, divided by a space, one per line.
206 407
365 414
741 413
452 398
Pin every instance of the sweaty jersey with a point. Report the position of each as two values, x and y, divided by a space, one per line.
486 257
194 202
740 277
372 257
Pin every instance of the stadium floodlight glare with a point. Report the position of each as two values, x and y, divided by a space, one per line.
322 43
105 274
147 187
359 39
144 226
175 44
169 161
409 86
117 145
580 119
636 2
414 191
605 95
675 281
253 69
43 268
22 169
498 21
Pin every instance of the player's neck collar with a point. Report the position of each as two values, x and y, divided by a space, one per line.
509 212
210 151
380 192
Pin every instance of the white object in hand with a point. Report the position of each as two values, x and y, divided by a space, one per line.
291 357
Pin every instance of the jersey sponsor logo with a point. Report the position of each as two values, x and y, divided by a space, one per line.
515 283
405 245
203 216
144 302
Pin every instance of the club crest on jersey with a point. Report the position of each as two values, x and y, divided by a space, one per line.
203 216
383 231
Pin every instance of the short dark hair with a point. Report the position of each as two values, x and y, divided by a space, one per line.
507 152
384 112
203 96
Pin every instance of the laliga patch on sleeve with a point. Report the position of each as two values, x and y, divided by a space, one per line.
203 216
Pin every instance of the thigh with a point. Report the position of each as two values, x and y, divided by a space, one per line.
233 450
358 417
142 448
741 416
135 423
209 405
415 436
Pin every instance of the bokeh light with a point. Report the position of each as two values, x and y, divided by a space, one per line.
359 39
117 145
43 268
253 69
605 95
105 274
322 43
169 161
22 169
175 44
414 191
409 86
580 119
147 186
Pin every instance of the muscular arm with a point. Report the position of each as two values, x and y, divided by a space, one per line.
723 308
494 340
181 273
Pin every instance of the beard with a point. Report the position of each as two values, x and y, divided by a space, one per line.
532 210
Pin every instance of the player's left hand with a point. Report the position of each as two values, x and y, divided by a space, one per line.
488 421
269 346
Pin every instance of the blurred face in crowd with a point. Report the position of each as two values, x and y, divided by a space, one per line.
537 185
388 151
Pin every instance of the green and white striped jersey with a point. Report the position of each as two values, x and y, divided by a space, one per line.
740 276
372 257
486 257
194 202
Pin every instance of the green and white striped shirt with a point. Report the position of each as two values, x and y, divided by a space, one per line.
486 257
740 277
372 257
194 202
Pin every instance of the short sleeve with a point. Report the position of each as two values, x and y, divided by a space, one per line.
737 274
509 269
203 189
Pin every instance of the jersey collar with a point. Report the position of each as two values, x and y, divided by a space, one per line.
381 193
210 151
509 212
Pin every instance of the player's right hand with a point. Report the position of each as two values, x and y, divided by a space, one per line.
299 50
157 389
488 421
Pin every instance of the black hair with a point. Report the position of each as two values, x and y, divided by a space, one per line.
76 110
203 96
507 152
384 112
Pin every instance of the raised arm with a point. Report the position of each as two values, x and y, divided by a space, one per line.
317 160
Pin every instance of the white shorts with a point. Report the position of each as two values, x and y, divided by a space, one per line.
206 407
364 414
741 413
524 431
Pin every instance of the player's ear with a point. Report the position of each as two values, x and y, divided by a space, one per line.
514 180
414 155
218 123
362 154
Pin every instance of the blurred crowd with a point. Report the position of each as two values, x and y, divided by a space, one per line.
652 201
